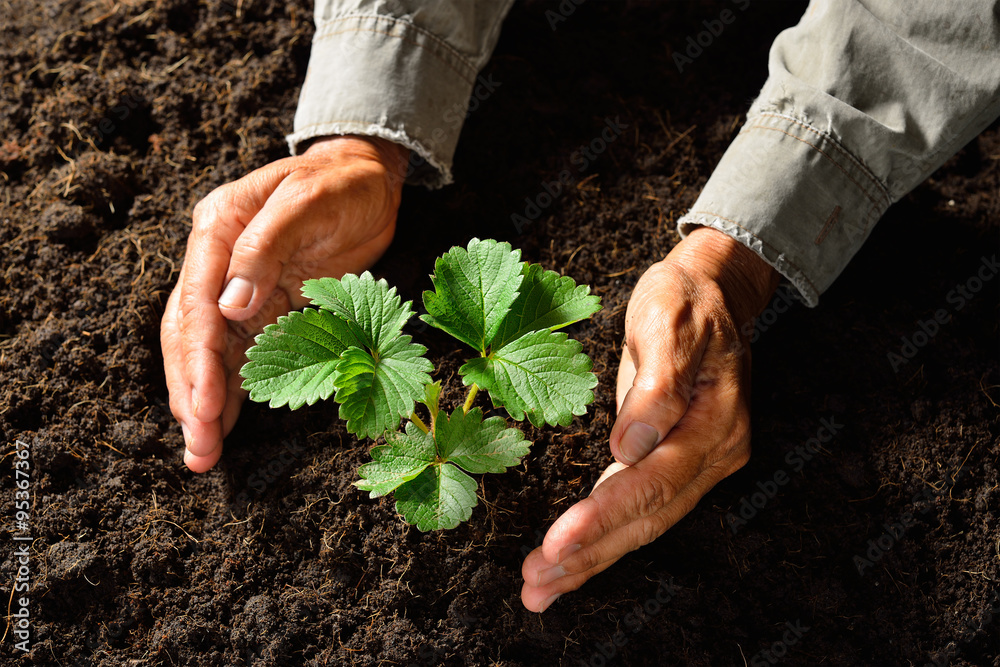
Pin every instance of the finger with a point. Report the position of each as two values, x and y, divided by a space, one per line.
608 472
213 434
203 332
544 582
626 375
636 505
665 345
545 579
218 221
209 435
180 389
657 399
202 463
278 231
191 370
178 385
629 496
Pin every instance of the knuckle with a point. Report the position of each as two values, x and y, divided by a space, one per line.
741 434
653 493
202 207
669 393
736 452
712 296
584 561
739 459
252 244
649 315
740 454
176 406
203 215
651 528
308 191
188 306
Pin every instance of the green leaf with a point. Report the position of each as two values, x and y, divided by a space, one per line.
442 496
430 491
402 459
374 393
542 374
371 307
479 446
294 360
545 300
432 394
474 288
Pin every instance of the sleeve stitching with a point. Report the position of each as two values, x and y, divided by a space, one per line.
762 241
821 152
336 120
840 149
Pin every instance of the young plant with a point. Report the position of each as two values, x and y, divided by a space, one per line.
352 347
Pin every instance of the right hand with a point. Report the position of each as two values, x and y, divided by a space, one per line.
330 211
683 420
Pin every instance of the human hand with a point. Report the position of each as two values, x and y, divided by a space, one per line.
330 211
683 410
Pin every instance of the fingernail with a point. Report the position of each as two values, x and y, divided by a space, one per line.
550 574
237 294
639 440
195 401
548 601
187 436
566 552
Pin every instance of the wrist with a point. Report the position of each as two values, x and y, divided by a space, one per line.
746 281
393 157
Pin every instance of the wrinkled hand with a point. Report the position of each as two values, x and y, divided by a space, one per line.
683 410
330 211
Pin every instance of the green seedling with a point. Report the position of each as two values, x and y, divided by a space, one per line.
352 347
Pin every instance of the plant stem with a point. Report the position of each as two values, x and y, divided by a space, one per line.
419 422
470 398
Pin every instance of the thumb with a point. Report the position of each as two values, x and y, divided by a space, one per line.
662 358
260 255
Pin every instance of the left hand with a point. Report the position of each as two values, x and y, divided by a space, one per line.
326 212
683 410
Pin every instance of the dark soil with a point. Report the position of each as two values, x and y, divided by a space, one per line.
115 118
